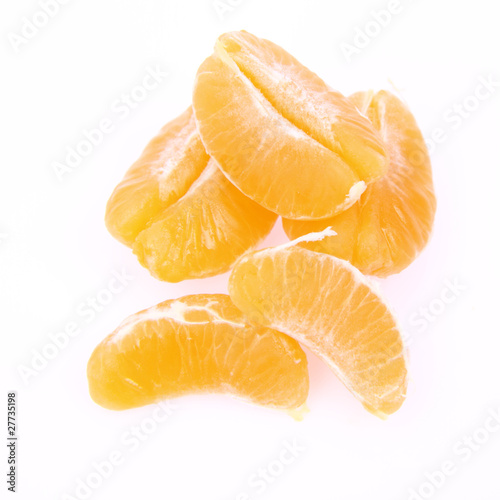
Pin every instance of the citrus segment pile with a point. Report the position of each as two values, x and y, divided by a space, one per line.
181 216
385 230
266 137
280 134
196 344
327 305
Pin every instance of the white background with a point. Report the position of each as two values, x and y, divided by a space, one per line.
55 253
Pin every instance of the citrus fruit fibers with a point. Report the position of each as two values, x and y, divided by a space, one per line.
280 134
196 344
331 308
179 213
385 230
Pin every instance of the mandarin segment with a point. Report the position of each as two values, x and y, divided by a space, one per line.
169 164
328 306
181 216
304 99
196 344
280 134
351 178
386 229
205 232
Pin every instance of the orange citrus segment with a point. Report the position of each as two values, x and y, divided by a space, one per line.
179 213
385 230
196 344
327 305
280 134
171 162
204 232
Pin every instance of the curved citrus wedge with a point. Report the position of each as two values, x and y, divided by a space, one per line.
179 213
279 133
330 307
196 344
385 230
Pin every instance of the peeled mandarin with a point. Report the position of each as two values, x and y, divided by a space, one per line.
179 213
280 134
330 307
196 344
385 230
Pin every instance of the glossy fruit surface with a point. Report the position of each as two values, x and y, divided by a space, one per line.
196 344
331 308
280 134
179 213
386 229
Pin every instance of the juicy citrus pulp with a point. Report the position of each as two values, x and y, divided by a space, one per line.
327 305
196 344
384 231
179 213
280 134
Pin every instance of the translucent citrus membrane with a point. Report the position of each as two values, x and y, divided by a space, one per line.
280 134
197 344
179 213
391 223
331 308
